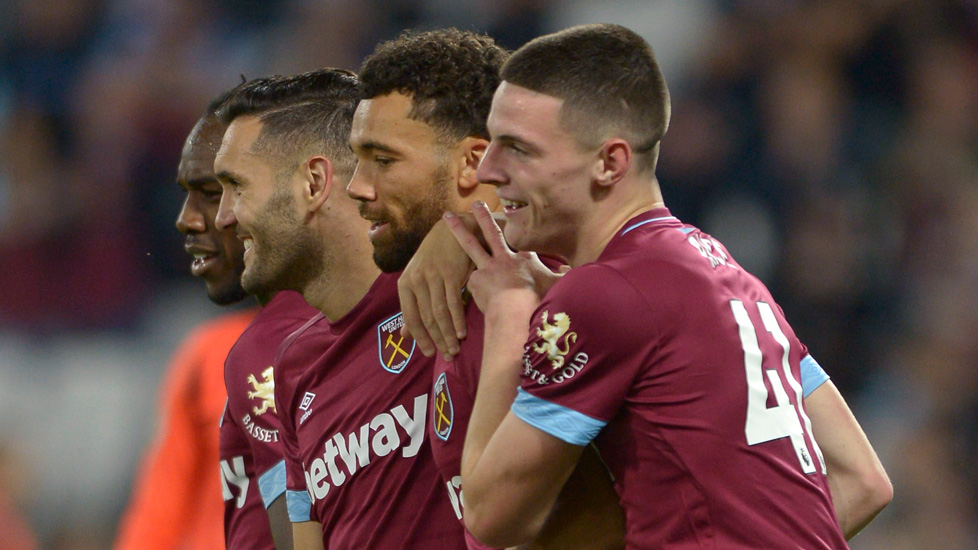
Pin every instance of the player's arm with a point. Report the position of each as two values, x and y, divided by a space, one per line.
308 535
278 519
859 484
430 291
512 484
511 471
587 514
430 288
272 485
290 510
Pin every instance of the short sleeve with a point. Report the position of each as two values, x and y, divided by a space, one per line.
291 472
812 375
588 343
272 483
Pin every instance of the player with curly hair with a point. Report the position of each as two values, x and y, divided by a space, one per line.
420 133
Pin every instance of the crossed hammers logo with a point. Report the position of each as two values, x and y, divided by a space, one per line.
397 348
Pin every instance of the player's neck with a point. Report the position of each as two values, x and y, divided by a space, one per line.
341 287
608 218
264 298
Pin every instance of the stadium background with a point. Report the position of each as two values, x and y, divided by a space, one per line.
830 144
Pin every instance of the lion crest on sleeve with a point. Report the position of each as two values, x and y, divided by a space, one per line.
556 340
264 390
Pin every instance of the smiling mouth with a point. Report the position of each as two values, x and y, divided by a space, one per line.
510 205
201 262
375 227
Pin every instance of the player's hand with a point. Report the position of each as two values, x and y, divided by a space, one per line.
430 290
503 278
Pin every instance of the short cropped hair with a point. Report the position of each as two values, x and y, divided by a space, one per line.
609 80
450 75
304 114
215 105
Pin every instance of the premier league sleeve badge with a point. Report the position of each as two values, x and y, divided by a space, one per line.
444 410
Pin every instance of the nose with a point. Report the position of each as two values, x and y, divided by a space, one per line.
225 211
488 167
191 219
360 188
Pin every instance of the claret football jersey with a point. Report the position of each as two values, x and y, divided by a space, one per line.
354 428
452 395
252 461
681 368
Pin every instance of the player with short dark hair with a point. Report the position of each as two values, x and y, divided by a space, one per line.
623 93
656 346
349 392
217 254
176 504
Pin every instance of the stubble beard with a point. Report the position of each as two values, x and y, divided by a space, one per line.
404 241
286 253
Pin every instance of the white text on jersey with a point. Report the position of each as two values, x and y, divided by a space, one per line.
233 473
261 434
380 435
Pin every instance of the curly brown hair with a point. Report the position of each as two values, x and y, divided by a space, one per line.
450 74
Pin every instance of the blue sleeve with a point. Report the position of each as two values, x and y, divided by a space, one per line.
812 375
300 506
271 484
559 421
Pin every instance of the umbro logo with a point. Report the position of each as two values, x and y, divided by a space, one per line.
305 404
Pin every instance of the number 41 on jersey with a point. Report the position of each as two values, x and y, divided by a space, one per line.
784 419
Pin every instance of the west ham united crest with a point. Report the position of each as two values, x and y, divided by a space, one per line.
395 350
444 411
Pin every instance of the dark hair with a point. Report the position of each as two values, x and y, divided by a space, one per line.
215 105
305 114
609 80
450 74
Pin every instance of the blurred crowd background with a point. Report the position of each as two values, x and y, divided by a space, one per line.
832 145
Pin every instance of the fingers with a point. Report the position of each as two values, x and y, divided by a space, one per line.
469 243
456 307
441 325
491 232
413 323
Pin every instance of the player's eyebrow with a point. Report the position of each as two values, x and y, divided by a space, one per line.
229 177
507 139
369 146
198 182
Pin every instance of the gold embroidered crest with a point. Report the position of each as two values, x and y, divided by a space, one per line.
556 338
263 390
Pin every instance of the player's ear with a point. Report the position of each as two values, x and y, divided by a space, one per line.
613 162
471 150
317 182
